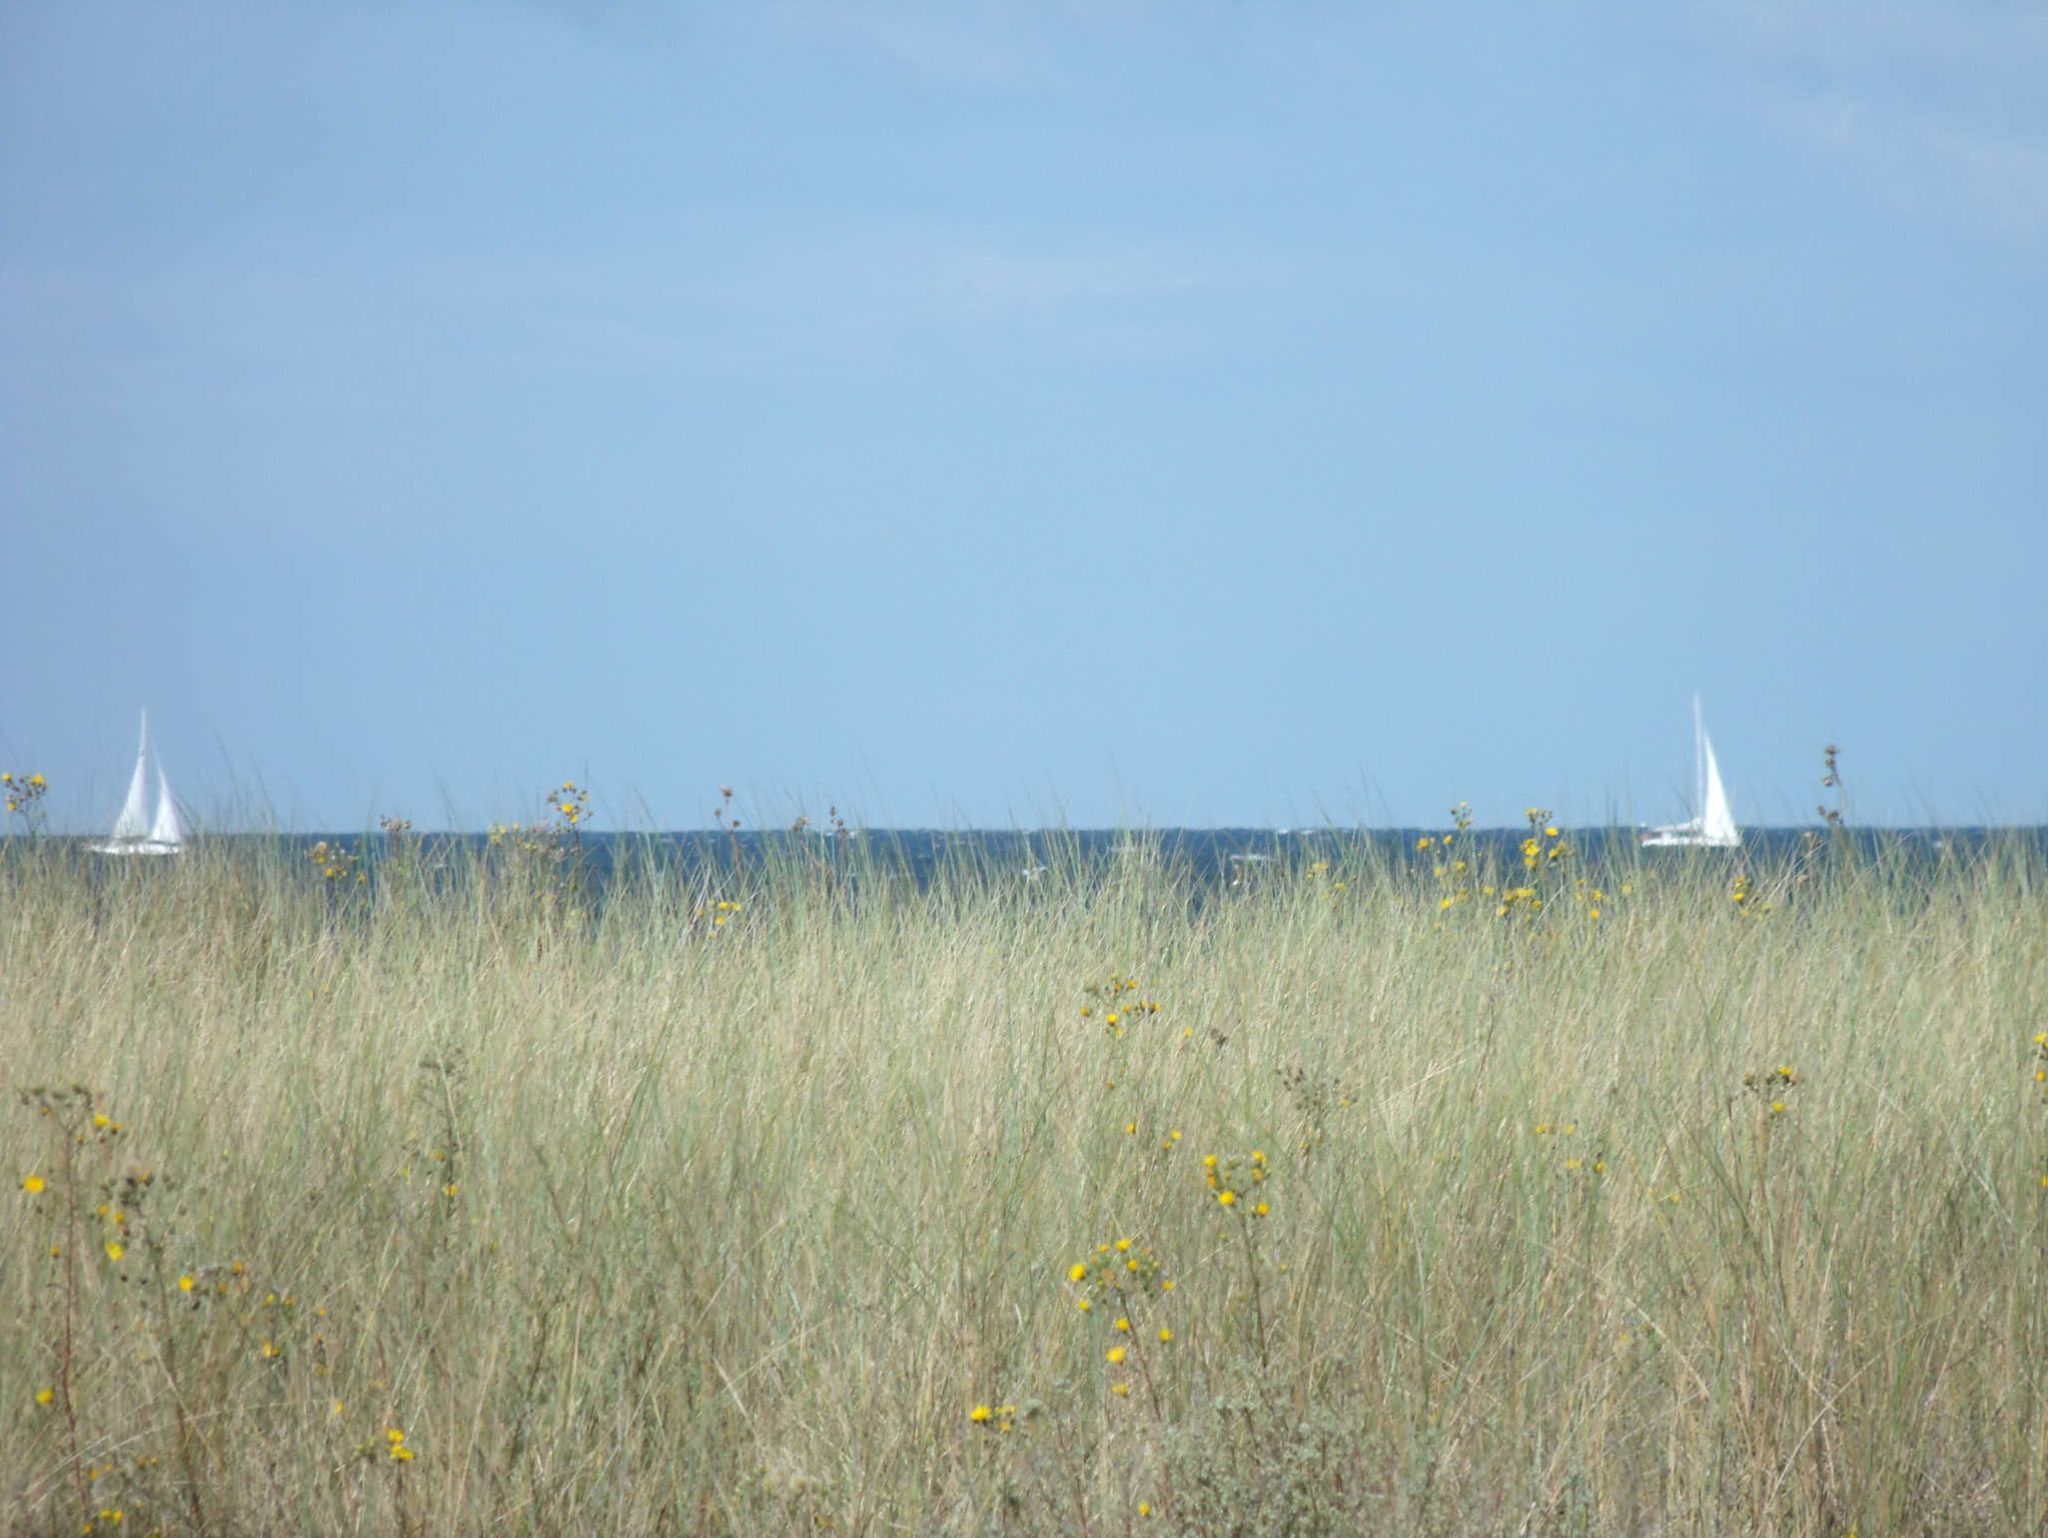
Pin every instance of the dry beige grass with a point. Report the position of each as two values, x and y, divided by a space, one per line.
643 1225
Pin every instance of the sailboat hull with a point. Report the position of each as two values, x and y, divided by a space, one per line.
140 846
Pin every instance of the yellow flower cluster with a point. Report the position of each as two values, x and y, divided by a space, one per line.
571 804
1116 1271
1236 1182
1107 1001
1511 896
1464 876
1574 1157
1545 844
999 1418
1123 1277
1773 1086
1743 895
24 795
336 862
1453 869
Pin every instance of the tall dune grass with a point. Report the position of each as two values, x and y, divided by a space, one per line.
475 1205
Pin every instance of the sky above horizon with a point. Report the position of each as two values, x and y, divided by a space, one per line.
1013 413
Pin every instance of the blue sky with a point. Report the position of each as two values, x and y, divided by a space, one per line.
1190 413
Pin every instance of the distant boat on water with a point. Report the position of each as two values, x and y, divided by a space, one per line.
1713 823
135 831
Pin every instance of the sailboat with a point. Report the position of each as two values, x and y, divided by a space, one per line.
135 831
1713 825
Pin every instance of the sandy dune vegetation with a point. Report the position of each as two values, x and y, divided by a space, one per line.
1706 1197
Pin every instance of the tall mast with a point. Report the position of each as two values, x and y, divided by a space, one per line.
1699 761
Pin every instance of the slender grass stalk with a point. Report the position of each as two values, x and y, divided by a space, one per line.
710 1196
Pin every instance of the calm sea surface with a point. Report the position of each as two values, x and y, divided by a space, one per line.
1207 857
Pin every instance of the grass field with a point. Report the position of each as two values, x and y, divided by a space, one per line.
461 1203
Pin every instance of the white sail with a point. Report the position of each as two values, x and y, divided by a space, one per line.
1713 822
134 832
167 830
1717 820
134 819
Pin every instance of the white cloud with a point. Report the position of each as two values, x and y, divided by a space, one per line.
970 47
1936 108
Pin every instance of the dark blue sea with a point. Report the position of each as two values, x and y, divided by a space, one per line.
1202 857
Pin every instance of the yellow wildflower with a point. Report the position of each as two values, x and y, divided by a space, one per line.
980 1414
116 1249
1114 1356
1227 1197
186 1283
1078 1272
33 1184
